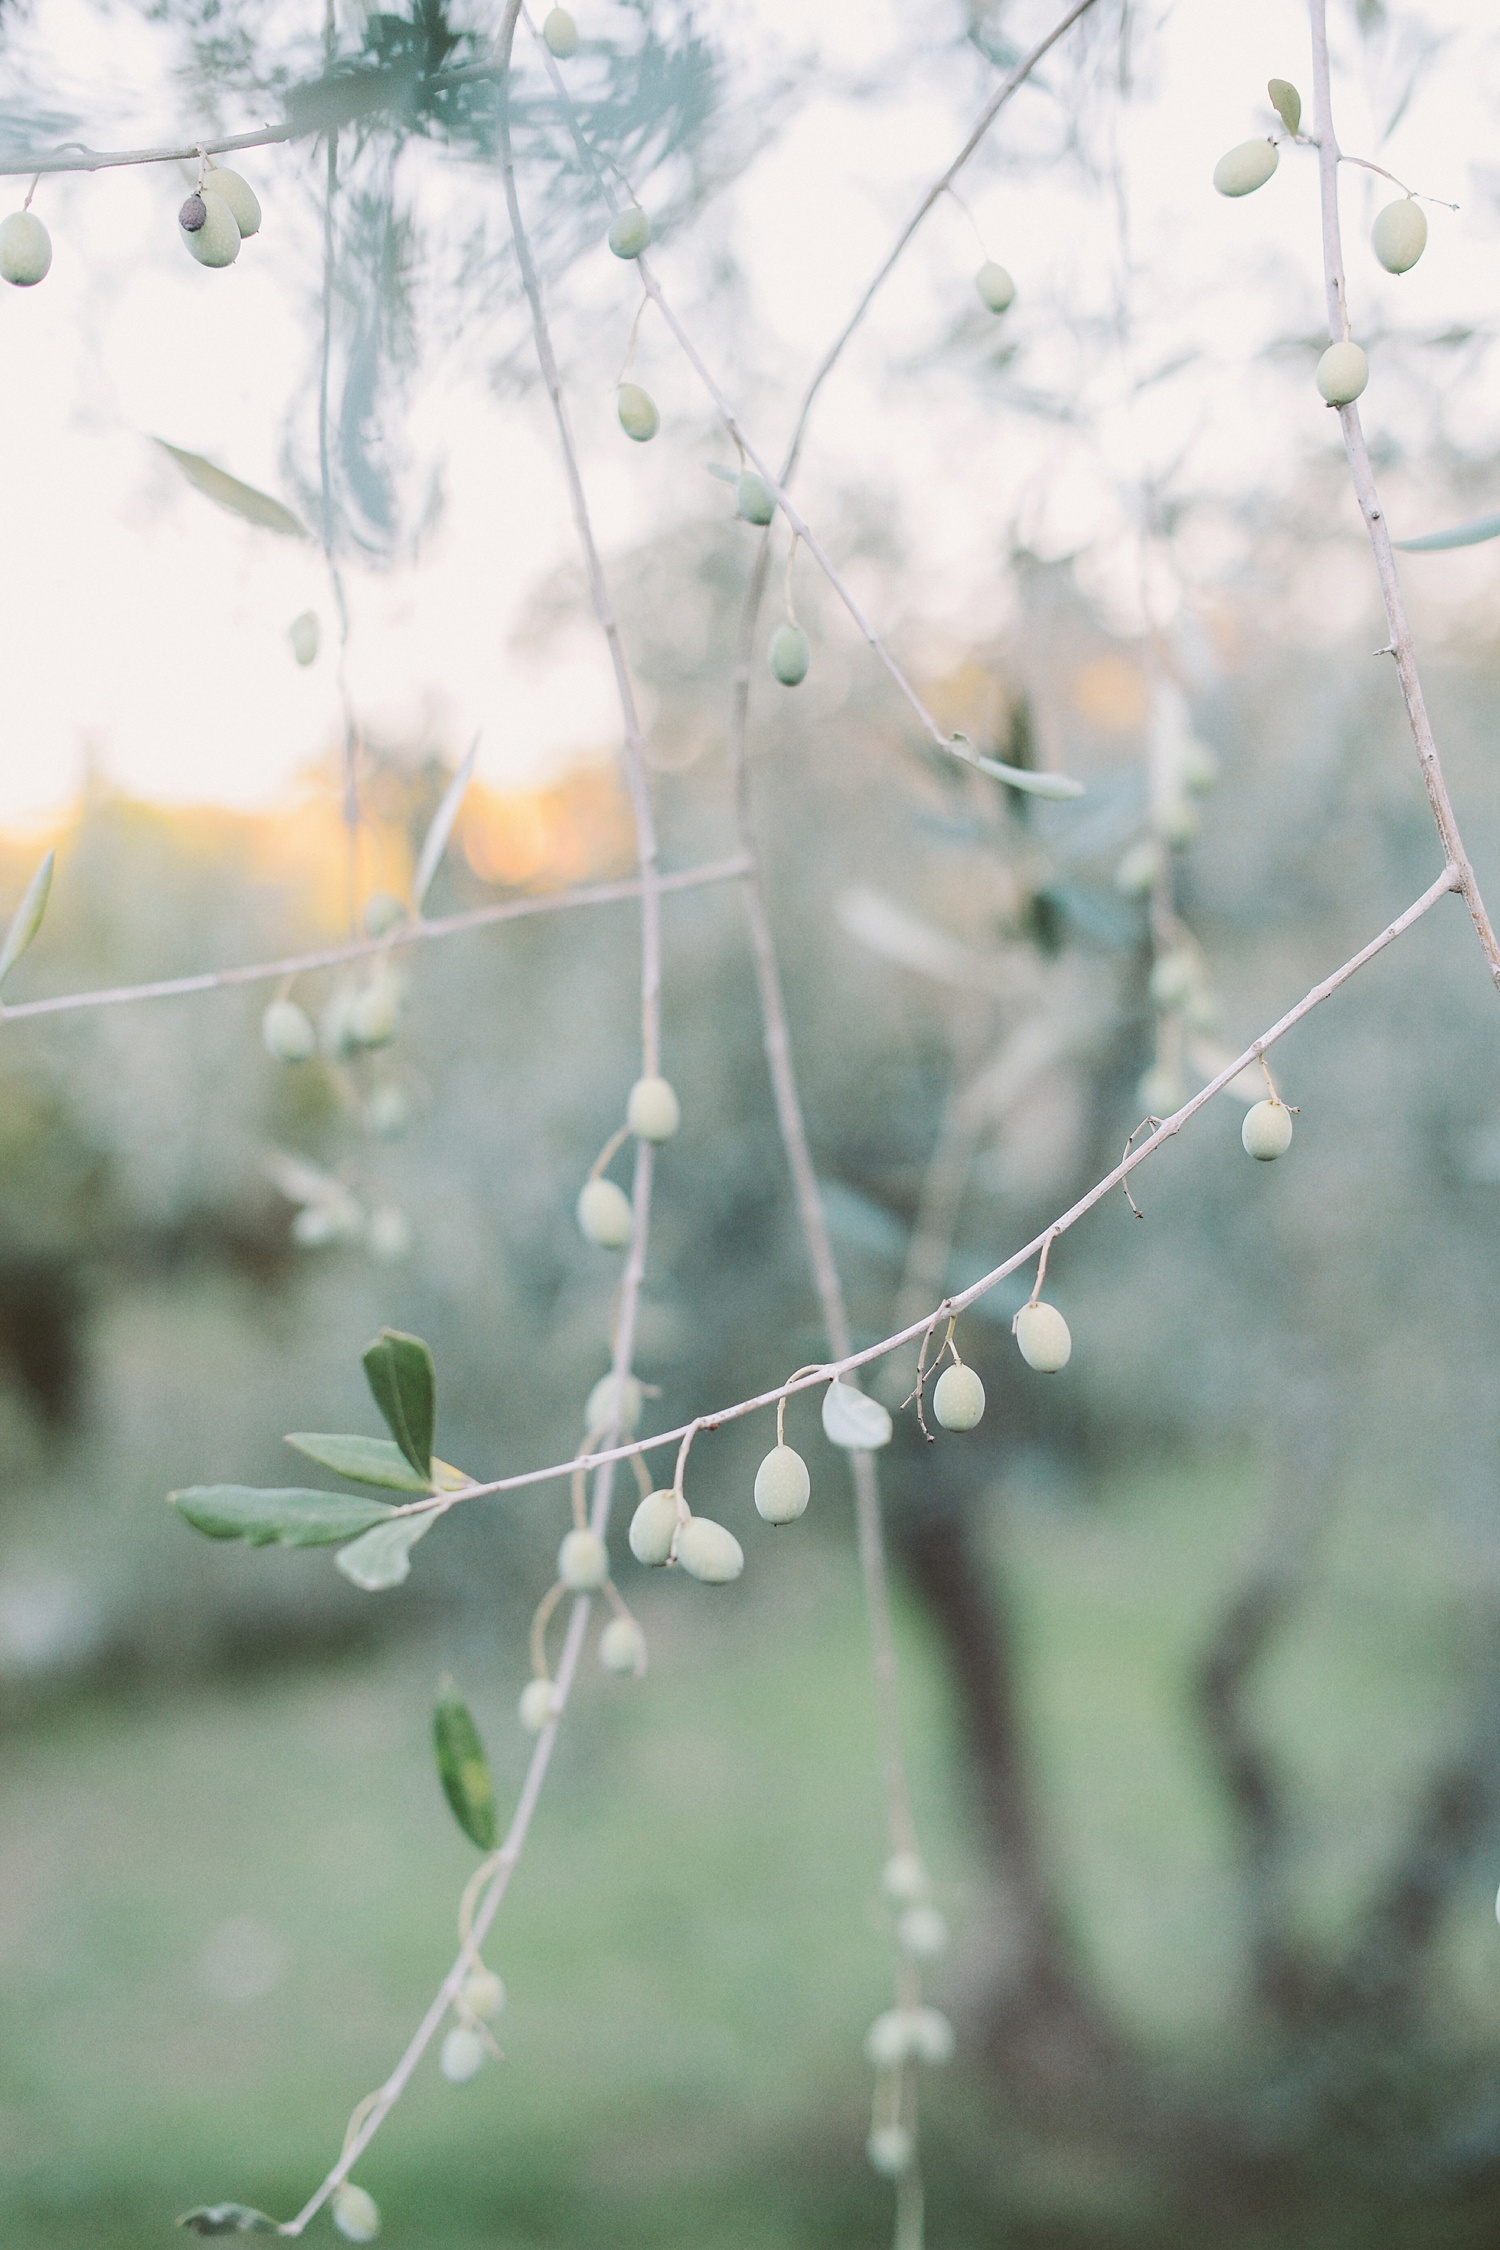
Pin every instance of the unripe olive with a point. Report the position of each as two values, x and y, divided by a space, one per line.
904 1879
754 499
782 1485
652 1528
996 289
388 1110
383 912
1398 237
388 1234
355 2213
791 653
1173 977
629 232
922 1932
241 197
1267 1130
653 1112
604 1214
287 1031
1343 372
25 249
637 411
215 240
708 1552
375 1013
304 635
1245 167
599 1412
622 1646
885 2041
583 1562
561 33
464 2054
1137 871
538 1705
1042 1334
890 2149
929 2035
958 1398
484 1994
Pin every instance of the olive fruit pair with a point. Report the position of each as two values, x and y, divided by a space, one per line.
25 249
1267 1130
791 654
1043 1336
705 1549
217 217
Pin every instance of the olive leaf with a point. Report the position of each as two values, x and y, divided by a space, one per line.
228 2218
852 1418
289 1518
1286 101
364 1460
382 1558
27 919
240 499
1471 534
463 1769
1024 778
400 1374
441 829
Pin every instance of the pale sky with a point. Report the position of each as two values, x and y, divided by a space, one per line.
146 631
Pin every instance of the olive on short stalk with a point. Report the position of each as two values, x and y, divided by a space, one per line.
1343 372
958 1398
753 498
1267 1130
791 654
25 249
464 2055
244 204
708 1552
583 1562
605 1215
1043 1336
652 1528
637 411
483 1993
538 1706
561 33
356 2214
995 287
1246 167
622 1646
653 1112
1399 235
629 232
782 1485
287 1032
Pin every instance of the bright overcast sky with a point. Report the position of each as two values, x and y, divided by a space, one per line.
147 632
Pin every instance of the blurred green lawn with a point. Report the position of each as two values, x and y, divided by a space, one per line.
221 1915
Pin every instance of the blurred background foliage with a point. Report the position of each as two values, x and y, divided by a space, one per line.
1202 1642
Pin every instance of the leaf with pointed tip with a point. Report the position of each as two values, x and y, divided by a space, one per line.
1286 101
240 499
463 1769
266 1518
382 1558
228 2218
436 840
1032 784
27 919
363 1460
1462 535
400 1374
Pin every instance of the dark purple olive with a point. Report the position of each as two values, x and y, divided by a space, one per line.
192 215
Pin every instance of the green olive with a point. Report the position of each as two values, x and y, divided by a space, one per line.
782 1485
1399 235
653 1528
1343 372
25 249
622 1646
904 1878
708 1552
484 1994
653 1112
890 2149
791 654
605 1215
996 289
1246 167
599 1412
215 240
1267 1130
538 1705
304 636
240 196
958 1398
288 1033
583 1562
637 411
753 498
629 232
355 2213
464 2055
1043 1336
561 33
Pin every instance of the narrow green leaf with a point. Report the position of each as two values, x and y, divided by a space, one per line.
400 1374
436 840
463 1770
240 499
267 1518
364 1460
228 2218
1016 777
382 1558
1462 535
27 919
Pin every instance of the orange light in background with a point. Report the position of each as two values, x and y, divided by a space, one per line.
545 839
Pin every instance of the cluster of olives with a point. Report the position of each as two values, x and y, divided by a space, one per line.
604 1211
663 1531
221 213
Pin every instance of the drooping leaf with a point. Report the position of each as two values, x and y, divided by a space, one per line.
463 1769
364 1460
1462 535
1286 101
227 2218
265 1518
382 1557
436 840
27 919
852 1418
1024 778
240 499
400 1374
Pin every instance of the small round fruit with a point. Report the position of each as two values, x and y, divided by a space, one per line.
1173 978
904 1879
653 1112
929 2035
304 635
708 1552
922 1933
1343 372
629 232
791 653
622 1646
1267 1130
375 1013
355 2213
583 1562
754 499
241 197
388 1111
637 411
383 913
1399 235
996 289
890 2149
885 2041
215 241
25 249
782 1485
538 1706
561 33
484 1993
1246 167
599 1412
1042 1334
604 1214
958 1399
463 2056
652 1528
287 1032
